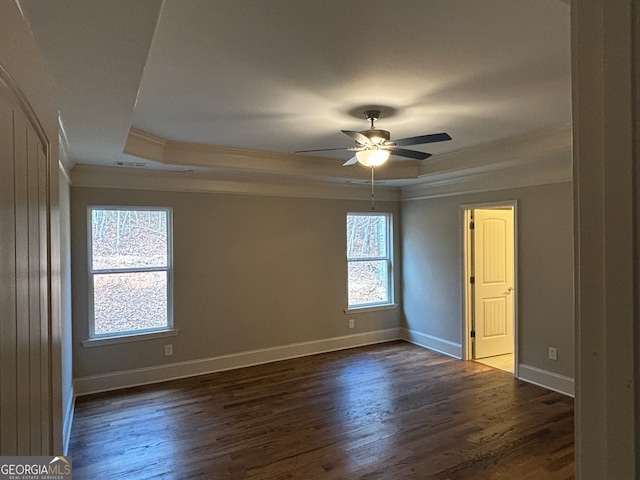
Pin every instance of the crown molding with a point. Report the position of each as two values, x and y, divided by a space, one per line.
477 184
229 160
544 157
145 145
171 181
505 153
64 172
541 157
556 167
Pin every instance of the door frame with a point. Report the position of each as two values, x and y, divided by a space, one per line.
467 304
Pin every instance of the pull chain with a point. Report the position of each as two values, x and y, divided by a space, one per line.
372 189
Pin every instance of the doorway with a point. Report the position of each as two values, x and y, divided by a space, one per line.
490 295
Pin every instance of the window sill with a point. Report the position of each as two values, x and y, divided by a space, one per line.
370 308
133 337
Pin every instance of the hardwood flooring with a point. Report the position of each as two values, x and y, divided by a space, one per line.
389 411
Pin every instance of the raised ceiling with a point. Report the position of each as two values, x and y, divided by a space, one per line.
246 83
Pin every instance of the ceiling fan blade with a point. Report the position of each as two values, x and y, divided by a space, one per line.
357 136
403 152
352 161
434 137
322 150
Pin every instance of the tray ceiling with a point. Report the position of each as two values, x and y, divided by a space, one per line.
259 80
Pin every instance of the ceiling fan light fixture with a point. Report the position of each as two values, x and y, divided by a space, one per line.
372 157
376 140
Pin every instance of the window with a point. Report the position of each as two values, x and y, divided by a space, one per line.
130 274
369 259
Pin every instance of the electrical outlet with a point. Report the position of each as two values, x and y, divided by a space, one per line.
553 353
352 323
168 350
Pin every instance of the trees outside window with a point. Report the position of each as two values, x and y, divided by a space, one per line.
130 270
369 259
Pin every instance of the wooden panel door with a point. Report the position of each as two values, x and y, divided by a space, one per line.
494 275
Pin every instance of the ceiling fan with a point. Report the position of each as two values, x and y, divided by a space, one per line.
374 146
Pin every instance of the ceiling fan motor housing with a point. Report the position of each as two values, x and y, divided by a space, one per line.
375 136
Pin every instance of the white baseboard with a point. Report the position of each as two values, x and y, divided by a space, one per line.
527 373
68 420
161 373
546 379
437 344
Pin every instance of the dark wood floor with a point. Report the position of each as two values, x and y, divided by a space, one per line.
391 411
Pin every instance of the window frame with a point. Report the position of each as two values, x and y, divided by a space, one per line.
390 301
135 334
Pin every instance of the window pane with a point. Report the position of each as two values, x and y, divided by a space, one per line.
366 236
368 282
129 301
128 239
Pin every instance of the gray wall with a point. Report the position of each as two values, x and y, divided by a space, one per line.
432 270
249 273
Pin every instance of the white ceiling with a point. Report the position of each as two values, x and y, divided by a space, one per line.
288 75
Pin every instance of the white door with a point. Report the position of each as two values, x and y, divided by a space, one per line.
493 250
